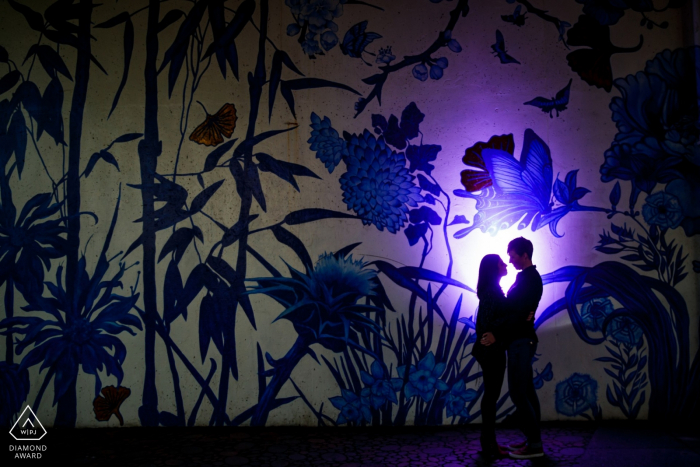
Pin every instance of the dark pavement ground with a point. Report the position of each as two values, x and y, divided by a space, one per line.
616 444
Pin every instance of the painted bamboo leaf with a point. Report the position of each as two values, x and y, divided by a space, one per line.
175 55
173 284
117 20
428 275
128 50
179 241
18 129
125 138
102 155
400 279
287 238
284 170
8 81
60 12
287 88
50 60
34 19
202 198
280 57
173 213
170 17
29 96
235 281
253 181
236 231
218 26
303 216
52 111
213 158
225 44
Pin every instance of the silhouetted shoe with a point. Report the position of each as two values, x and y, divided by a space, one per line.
493 452
526 453
514 446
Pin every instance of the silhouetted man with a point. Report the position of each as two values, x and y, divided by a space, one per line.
518 335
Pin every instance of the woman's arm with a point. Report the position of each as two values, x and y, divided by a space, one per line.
503 315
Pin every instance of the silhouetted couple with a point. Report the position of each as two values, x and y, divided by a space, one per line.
505 325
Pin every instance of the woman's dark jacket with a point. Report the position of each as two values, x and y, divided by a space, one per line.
493 314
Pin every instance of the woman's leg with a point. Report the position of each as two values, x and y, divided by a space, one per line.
493 369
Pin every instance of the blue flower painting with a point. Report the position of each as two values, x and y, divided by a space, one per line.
80 331
316 18
380 388
657 133
377 184
323 304
622 329
424 379
29 241
625 330
81 334
329 146
594 312
576 394
663 210
351 408
384 56
457 399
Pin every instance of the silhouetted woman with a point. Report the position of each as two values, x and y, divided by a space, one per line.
493 312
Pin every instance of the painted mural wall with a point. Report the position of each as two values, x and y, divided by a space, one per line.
272 212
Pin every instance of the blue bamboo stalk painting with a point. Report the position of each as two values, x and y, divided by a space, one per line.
220 233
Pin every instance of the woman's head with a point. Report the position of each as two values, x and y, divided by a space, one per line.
491 269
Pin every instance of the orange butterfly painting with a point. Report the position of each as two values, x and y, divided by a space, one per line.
221 123
109 405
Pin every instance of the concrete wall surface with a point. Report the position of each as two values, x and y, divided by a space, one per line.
269 212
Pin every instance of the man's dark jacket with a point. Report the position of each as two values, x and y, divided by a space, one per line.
523 297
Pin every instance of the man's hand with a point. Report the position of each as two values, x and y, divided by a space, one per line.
531 316
487 339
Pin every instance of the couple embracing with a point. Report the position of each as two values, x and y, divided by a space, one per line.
505 326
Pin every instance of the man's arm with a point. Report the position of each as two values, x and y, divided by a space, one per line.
522 299
489 338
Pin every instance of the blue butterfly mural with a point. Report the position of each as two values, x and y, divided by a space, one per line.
558 103
516 18
545 375
510 191
520 189
357 39
499 49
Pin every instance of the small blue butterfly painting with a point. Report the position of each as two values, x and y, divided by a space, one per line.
357 39
516 18
499 49
558 103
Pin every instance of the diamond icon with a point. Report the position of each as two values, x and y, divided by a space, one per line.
28 427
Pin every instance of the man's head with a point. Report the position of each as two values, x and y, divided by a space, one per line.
520 253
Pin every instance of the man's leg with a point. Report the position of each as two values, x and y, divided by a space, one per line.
493 369
522 389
